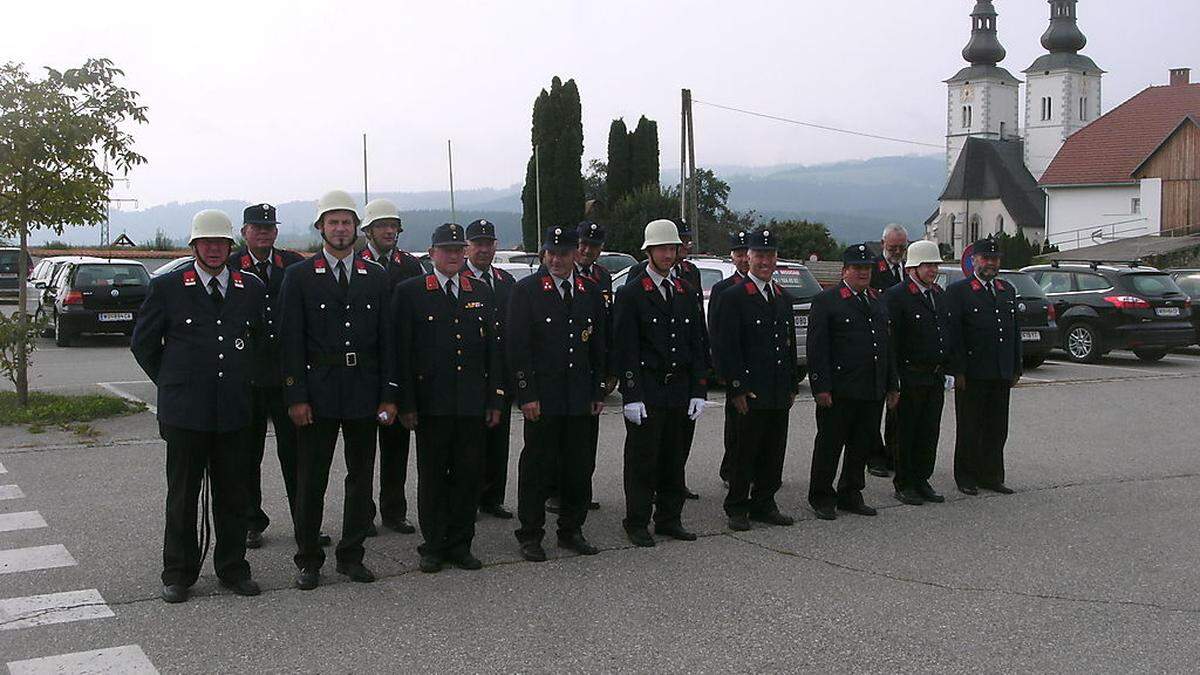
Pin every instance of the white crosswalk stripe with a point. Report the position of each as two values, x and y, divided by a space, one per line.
128 660
51 608
35 558
21 520
11 492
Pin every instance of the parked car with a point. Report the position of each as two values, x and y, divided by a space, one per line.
615 262
1189 282
1106 306
178 263
42 276
518 263
96 297
10 257
1035 314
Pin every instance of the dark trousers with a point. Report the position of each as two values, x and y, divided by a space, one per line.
267 404
919 421
449 479
495 458
756 468
393 473
852 425
981 419
655 458
558 446
730 440
316 446
189 453
593 434
884 448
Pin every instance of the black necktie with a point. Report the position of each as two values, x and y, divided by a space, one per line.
214 291
770 293
862 297
343 279
991 289
929 296
487 279
666 286
566 291
263 269
450 289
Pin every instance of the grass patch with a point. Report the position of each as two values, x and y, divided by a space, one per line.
65 411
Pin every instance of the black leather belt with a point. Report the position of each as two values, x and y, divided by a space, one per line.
926 369
344 359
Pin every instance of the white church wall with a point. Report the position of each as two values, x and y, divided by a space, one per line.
1074 100
1074 214
989 214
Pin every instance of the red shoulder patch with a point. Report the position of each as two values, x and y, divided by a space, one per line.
647 284
319 263
579 284
360 265
883 266
678 285
846 293
465 283
189 277
912 288
466 272
997 284
547 283
501 274
365 254
278 260
873 292
976 286
431 283
751 287
236 278
246 261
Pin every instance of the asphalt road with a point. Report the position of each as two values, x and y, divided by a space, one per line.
1090 567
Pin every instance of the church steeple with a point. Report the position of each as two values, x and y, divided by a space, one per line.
1063 35
984 49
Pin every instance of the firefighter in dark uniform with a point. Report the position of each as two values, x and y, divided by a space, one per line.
988 356
260 258
920 321
195 338
658 339
556 351
337 368
852 374
381 227
451 389
591 245
740 255
888 272
481 252
756 355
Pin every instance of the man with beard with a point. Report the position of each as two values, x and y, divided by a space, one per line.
740 255
888 272
337 368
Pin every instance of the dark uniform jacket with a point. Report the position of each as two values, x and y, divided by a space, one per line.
985 329
398 264
660 347
686 270
556 351
757 345
600 276
503 284
921 335
448 359
267 371
883 276
714 313
848 352
198 355
337 349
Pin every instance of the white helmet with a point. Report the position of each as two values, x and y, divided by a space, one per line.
921 252
379 209
335 200
659 232
211 223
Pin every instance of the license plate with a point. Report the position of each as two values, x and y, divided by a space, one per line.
1167 311
1030 336
116 316
802 321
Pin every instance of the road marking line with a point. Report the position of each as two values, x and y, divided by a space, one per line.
127 659
128 382
2 469
1129 368
23 520
42 610
1035 379
35 558
127 396
10 492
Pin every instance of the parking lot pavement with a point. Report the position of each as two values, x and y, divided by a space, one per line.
1090 567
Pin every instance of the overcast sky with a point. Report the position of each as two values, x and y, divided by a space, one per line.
267 100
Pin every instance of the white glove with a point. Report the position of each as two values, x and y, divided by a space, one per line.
695 407
635 412
949 382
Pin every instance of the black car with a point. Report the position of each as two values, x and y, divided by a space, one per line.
10 257
1035 314
96 297
1189 282
1106 306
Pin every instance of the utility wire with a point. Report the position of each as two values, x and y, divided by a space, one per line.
818 126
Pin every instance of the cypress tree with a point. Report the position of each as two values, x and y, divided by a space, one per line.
644 168
619 157
558 134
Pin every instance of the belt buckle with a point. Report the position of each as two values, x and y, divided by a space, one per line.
351 359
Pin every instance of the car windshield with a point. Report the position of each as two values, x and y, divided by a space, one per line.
8 262
709 277
1153 284
616 263
1190 285
1024 284
111 275
797 281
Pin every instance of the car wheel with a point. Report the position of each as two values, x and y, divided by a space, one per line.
1031 362
1082 343
1150 354
61 337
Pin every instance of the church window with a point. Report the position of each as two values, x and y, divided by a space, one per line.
974 231
1000 224
1047 108
1082 107
966 117
953 222
1135 206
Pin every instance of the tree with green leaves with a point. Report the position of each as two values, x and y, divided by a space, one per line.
557 159
643 152
618 182
628 217
58 135
799 239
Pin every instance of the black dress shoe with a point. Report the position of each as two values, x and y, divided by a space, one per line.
825 512
308 579
430 563
553 505
929 494
773 518
968 489
247 586
174 593
910 497
576 542
675 532
467 561
739 523
879 471
859 508
372 531
593 506
357 572
324 540
639 536
689 494
999 488
402 525
496 511
533 551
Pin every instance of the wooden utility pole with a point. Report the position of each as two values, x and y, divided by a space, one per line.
450 157
537 176
366 197
689 207
683 127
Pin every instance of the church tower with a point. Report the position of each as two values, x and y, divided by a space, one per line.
1063 90
983 99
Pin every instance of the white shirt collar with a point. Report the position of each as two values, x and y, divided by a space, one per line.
477 271
919 285
655 276
254 259
206 278
862 293
333 261
985 283
375 253
570 279
442 279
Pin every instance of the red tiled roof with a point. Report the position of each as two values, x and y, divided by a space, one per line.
1109 149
